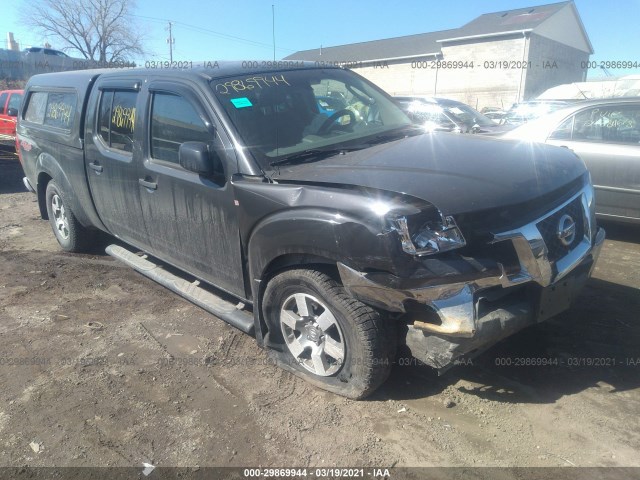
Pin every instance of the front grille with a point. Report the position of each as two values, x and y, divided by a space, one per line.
549 230
480 226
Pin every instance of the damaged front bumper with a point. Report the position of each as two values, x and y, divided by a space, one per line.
473 312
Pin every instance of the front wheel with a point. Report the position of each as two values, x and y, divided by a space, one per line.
326 336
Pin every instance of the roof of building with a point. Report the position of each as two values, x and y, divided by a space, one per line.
418 45
425 44
508 21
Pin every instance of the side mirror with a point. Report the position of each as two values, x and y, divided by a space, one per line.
196 157
12 112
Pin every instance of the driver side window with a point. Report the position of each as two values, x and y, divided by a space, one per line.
174 121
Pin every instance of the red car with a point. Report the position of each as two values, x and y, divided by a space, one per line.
10 101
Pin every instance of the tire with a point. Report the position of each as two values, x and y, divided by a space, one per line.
325 336
71 236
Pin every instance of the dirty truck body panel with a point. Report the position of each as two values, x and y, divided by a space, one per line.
455 241
180 216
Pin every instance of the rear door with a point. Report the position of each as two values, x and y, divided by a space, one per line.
607 138
191 218
112 157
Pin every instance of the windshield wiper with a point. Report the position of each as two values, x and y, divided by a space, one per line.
395 134
313 155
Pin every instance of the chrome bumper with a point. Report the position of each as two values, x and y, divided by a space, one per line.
455 302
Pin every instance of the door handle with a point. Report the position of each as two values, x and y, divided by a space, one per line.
147 184
96 167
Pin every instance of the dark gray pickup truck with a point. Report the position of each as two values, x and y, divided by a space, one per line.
307 197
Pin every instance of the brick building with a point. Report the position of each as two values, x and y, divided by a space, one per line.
494 60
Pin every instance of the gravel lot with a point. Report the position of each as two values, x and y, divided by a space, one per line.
101 367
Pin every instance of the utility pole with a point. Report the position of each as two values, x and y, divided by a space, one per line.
273 29
170 41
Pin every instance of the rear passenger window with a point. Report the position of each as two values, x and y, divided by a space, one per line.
116 118
173 122
104 117
54 109
3 100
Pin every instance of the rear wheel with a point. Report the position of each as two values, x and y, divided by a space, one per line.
71 236
326 336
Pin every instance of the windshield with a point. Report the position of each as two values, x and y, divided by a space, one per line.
468 116
522 113
281 114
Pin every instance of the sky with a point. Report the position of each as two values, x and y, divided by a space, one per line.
242 29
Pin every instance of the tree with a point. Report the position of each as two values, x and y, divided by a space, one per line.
100 30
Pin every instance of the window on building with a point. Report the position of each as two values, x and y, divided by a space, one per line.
174 121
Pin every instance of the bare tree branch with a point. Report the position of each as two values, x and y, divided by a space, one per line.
101 30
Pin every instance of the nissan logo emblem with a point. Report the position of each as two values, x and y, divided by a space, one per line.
566 230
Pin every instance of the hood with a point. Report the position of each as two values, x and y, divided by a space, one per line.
456 173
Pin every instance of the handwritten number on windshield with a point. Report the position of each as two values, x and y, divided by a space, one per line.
251 83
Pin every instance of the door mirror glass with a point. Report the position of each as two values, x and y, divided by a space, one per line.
12 112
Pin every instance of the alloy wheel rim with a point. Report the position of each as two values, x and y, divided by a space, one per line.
312 334
60 216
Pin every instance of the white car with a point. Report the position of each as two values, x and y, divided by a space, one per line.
606 135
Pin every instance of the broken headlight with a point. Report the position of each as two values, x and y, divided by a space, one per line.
434 236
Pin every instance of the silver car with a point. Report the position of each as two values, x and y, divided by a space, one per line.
606 135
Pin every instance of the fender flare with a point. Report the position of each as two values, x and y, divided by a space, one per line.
48 165
313 235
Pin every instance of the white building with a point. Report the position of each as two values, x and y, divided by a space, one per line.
494 60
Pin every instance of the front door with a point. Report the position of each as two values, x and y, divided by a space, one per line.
190 218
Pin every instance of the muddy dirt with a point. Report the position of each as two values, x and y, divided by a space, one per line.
99 366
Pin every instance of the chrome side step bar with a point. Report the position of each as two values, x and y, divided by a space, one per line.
230 313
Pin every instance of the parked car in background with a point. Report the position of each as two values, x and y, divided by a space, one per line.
524 112
606 135
45 51
494 113
443 114
9 104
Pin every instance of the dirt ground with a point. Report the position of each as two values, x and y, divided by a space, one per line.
100 366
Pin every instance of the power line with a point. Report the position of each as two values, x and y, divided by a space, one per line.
213 32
